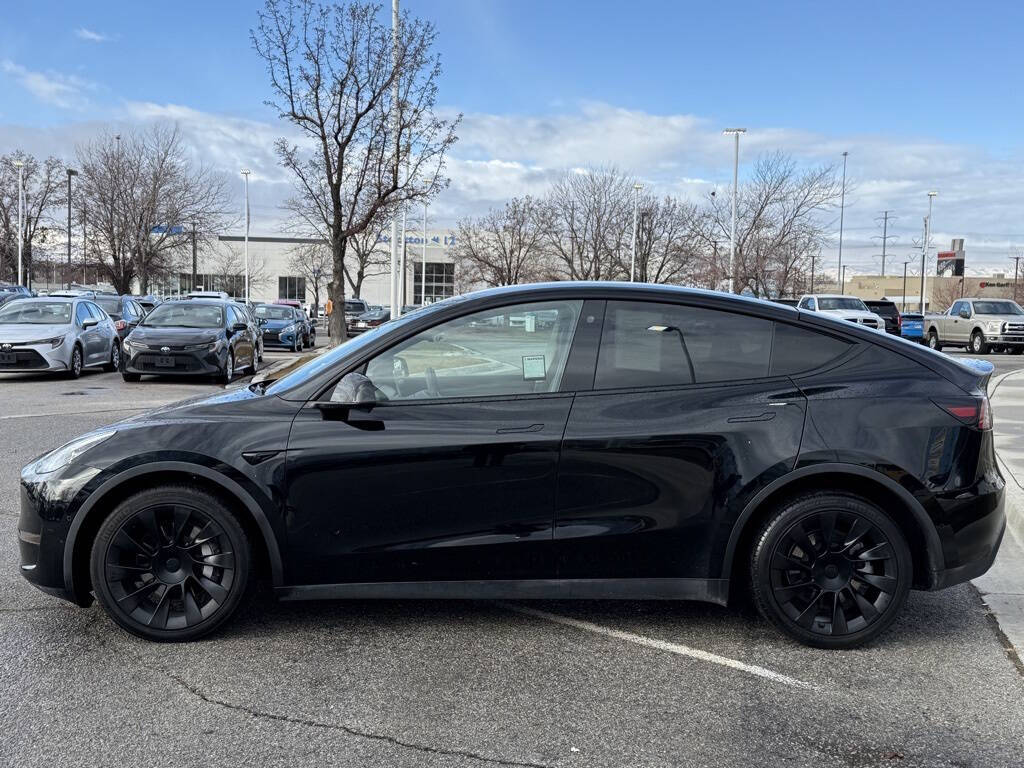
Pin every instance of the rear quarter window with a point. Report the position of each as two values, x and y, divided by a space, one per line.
796 349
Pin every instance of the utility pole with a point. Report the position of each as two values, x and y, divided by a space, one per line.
924 245
396 127
885 236
812 273
245 174
905 285
636 205
1016 270
842 285
194 258
71 172
21 217
735 133
842 211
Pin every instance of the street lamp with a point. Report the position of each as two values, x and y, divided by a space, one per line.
636 205
21 216
842 211
423 266
924 245
735 132
245 173
71 172
907 261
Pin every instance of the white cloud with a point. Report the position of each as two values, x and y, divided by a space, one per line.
60 90
93 37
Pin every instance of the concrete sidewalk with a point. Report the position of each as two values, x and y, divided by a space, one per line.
1002 588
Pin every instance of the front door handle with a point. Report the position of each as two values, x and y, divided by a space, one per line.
525 428
766 416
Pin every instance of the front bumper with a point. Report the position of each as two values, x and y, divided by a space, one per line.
35 357
1008 338
176 362
273 338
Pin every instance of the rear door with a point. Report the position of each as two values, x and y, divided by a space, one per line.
686 420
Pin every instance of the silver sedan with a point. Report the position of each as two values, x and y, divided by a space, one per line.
57 334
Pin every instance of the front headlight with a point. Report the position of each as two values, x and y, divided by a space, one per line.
288 328
54 342
64 455
993 327
209 345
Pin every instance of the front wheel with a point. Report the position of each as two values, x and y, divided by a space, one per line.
933 340
170 563
830 570
1015 350
978 344
75 368
228 372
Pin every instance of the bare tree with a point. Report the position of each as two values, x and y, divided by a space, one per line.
666 249
139 195
332 68
505 246
312 261
779 224
44 185
227 264
587 214
370 257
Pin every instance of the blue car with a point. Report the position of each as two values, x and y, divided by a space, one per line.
913 327
282 325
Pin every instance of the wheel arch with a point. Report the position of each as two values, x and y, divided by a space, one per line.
906 510
86 522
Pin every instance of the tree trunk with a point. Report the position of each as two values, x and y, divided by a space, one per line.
336 292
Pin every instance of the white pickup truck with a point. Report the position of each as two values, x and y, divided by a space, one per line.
980 325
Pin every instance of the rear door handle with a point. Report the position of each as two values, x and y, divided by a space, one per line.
766 416
526 428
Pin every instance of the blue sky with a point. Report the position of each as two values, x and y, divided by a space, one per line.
922 94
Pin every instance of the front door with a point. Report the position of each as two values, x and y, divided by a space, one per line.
685 415
450 475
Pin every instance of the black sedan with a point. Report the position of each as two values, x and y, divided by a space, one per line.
125 311
643 442
201 337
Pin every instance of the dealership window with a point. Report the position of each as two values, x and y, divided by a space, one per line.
232 285
291 288
440 282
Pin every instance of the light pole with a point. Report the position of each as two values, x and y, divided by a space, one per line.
71 172
842 281
735 133
245 247
907 261
924 245
396 127
842 211
21 216
636 207
423 266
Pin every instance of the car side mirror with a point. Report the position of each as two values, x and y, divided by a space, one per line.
239 327
965 314
90 322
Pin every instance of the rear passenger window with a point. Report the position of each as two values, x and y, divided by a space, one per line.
646 344
799 349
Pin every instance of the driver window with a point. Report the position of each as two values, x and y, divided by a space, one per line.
513 350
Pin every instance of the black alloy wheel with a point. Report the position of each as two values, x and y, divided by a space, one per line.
228 373
170 563
831 570
76 363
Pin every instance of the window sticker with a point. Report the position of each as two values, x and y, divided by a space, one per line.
534 367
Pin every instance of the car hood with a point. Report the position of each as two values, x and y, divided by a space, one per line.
174 337
999 318
192 406
23 332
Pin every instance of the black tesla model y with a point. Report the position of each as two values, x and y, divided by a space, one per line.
576 440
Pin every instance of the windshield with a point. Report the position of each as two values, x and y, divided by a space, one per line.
36 313
841 302
355 306
267 312
997 308
185 315
328 360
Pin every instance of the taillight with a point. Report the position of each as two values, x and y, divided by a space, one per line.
976 412
899 320
120 325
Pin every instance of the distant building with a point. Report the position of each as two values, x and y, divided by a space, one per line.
222 268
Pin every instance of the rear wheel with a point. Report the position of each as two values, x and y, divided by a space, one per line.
170 563
115 358
830 570
978 344
933 340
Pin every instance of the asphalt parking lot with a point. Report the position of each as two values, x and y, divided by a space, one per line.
474 683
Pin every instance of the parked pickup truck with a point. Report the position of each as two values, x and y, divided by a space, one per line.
980 325
849 308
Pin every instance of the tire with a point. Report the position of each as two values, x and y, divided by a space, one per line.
115 358
296 345
312 341
131 377
228 372
978 344
791 583
933 340
77 363
171 563
1015 350
259 353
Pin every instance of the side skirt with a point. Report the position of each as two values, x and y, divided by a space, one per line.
705 590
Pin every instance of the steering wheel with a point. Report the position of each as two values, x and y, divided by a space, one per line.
431 376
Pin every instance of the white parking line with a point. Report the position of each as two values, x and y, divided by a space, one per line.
663 645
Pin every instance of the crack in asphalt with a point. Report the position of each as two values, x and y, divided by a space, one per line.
348 729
